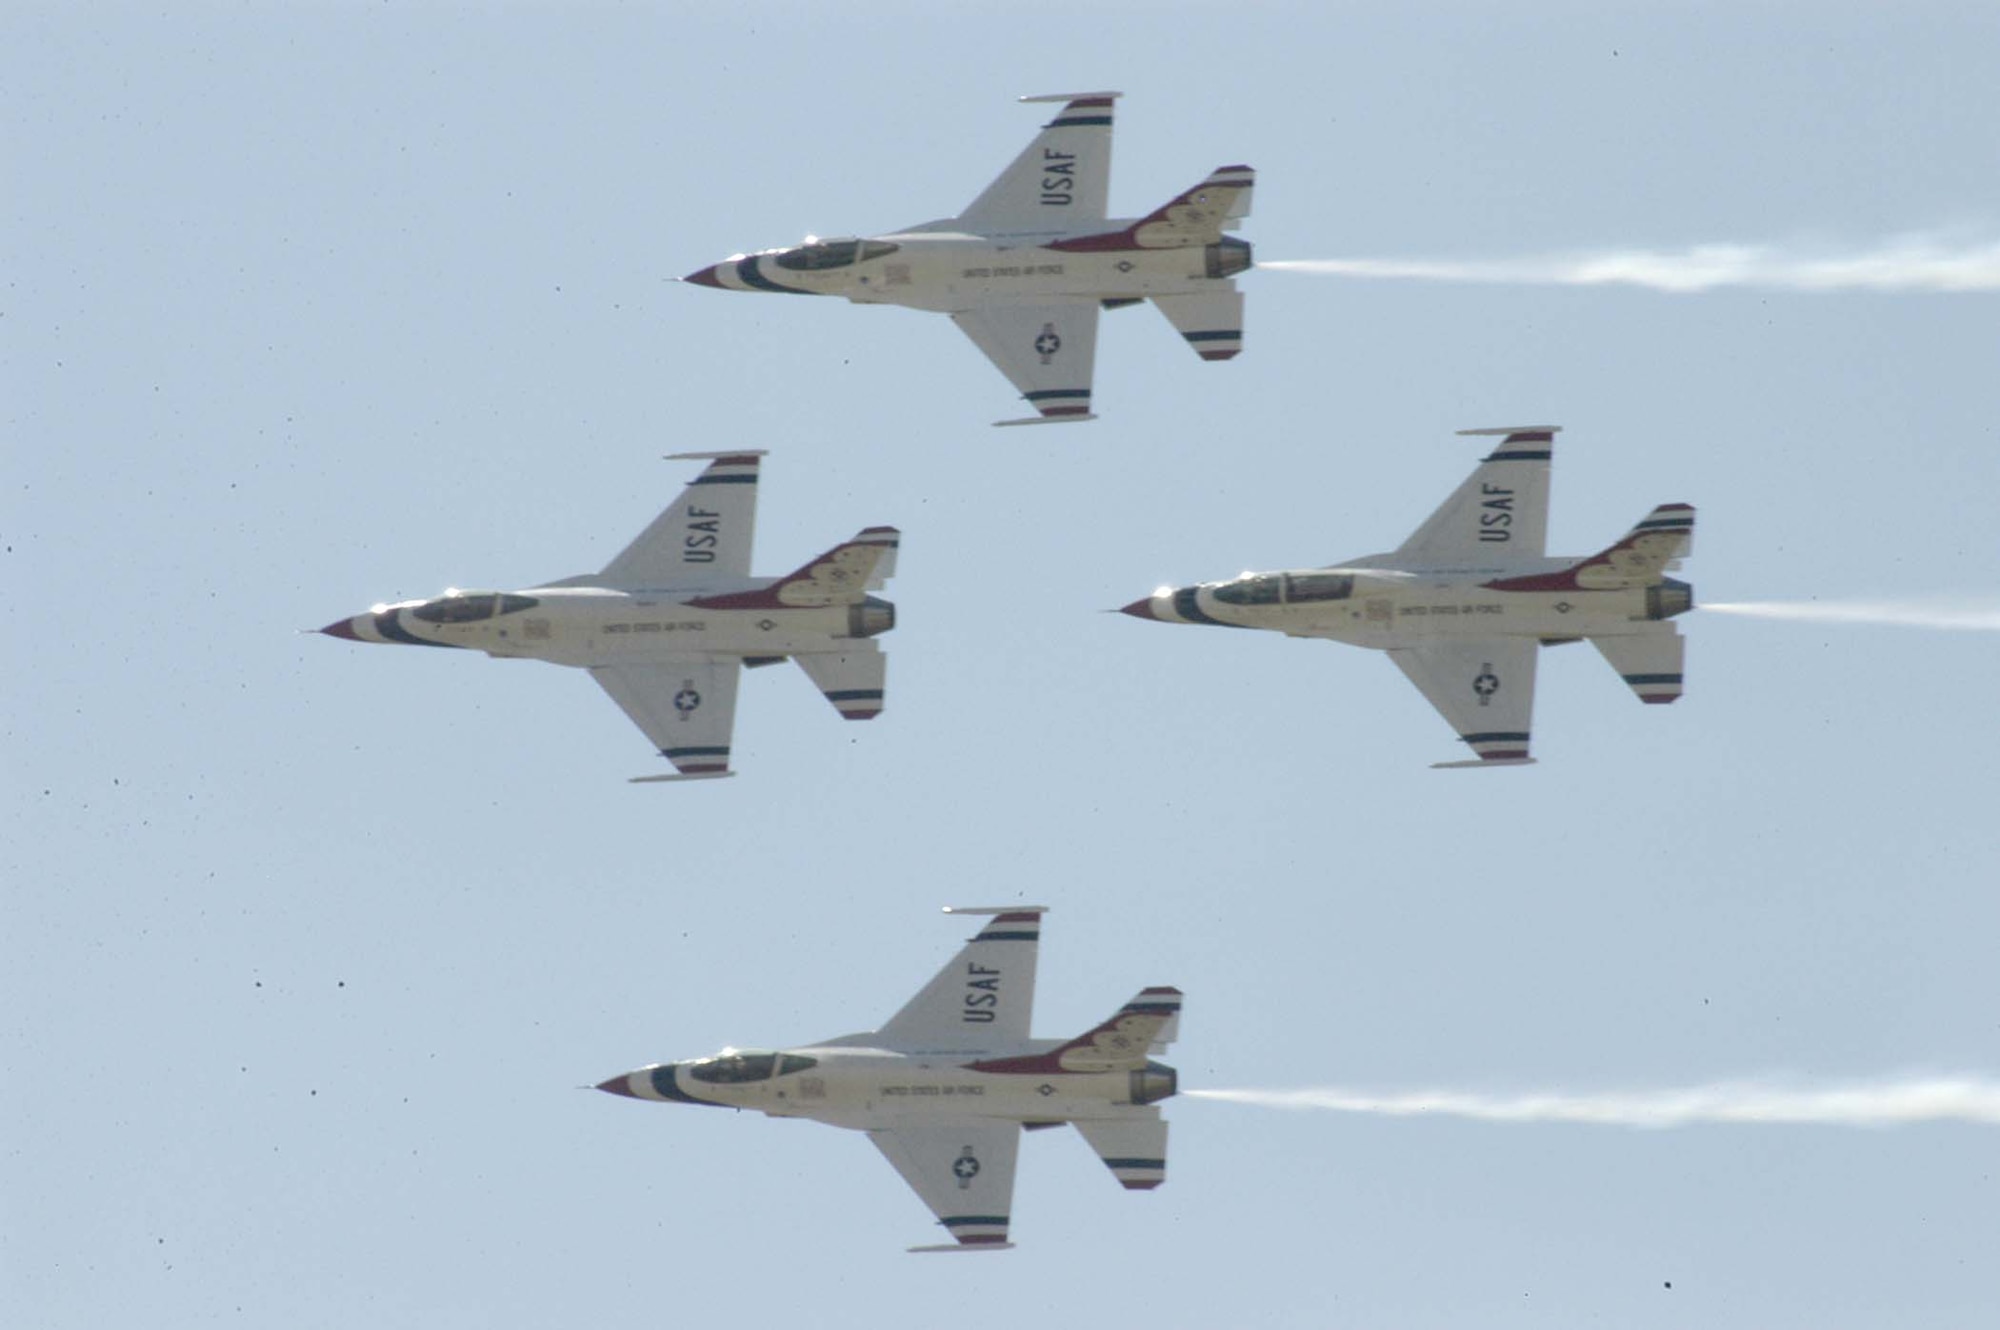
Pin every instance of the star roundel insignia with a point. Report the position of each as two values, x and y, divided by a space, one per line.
965 1168
685 701
1125 265
1047 344
1487 684
1045 1089
767 624
1563 607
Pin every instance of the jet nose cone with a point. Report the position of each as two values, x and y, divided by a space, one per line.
1140 609
705 277
618 1085
342 628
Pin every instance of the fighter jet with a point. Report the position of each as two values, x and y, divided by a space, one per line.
946 1087
1464 604
667 626
1025 268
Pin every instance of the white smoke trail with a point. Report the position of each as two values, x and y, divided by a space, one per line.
1924 261
1858 1104
1959 613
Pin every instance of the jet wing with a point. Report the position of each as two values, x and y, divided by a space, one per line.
1502 509
982 998
702 537
963 1170
1485 688
1047 351
685 704
1061 181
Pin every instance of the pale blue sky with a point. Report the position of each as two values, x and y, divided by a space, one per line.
308 944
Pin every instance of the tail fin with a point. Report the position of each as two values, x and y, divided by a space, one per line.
844 575
1639 558
1642 555
1145 1025
1200 215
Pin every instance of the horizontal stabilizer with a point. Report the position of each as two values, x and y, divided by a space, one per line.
1135 1150
1212 321
1473 763
1649 663
853 680
990 1246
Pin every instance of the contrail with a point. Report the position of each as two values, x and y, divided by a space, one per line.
1856 1104
1924 261
1960 613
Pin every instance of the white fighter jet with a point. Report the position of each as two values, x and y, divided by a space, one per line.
667 626
1464 605
946 1087
1025 268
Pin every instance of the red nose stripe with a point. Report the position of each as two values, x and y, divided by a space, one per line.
1140 609
618 1085
704 277
341 628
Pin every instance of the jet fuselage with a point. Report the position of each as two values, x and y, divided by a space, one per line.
857 1086
593 626
945 271
1368 604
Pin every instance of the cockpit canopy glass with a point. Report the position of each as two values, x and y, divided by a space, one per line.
1318 586
1285 588
1254 589
821 255
472 606
741 1066
734 1068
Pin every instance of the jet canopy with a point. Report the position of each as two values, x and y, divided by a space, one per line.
820 255
1285 588
738 1066
471 606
